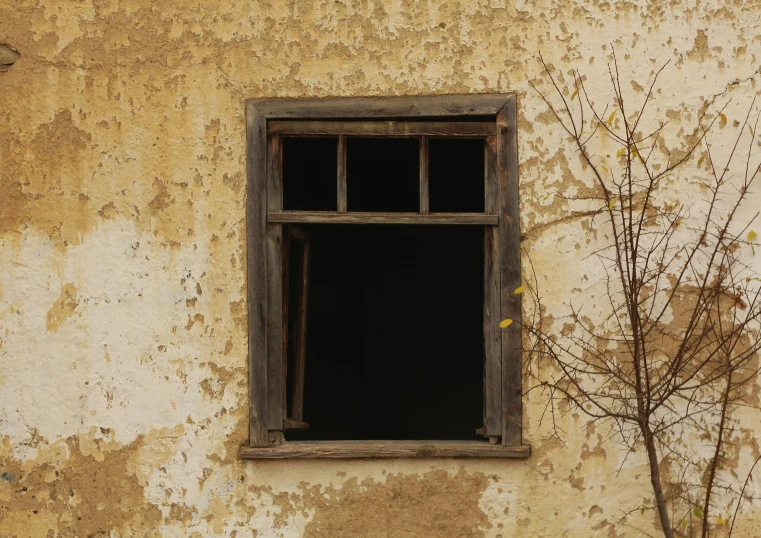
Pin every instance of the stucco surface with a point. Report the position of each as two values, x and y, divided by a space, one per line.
123 388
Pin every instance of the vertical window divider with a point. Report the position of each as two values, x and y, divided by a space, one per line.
424 198
342 197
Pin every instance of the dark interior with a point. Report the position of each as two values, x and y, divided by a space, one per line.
456 175
310 171
383 174
394 337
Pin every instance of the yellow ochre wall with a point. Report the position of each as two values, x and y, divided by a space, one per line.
123 369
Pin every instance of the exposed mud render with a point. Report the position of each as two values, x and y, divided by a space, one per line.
123 366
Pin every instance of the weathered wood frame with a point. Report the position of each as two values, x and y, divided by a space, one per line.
267 121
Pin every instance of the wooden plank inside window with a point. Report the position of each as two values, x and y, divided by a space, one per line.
297 294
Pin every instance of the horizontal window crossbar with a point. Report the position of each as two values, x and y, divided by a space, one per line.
328 217
469 129
385 449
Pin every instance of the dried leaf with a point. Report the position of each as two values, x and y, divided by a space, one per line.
752 133
610 118
752 235
722 121
505 323
700 161
519 290
574 94
612 203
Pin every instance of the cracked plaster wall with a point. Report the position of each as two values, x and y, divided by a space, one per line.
122 250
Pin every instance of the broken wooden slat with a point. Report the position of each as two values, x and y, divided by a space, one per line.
385 449
300 328
292 424
328 217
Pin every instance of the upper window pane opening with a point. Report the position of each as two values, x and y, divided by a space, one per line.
310 168
382 174
456 171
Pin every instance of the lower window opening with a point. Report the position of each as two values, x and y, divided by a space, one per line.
394 346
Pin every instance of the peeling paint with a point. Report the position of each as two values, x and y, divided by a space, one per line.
123 373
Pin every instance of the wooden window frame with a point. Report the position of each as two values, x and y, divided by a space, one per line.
267 120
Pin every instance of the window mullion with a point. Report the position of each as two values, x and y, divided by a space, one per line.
342 195
424 198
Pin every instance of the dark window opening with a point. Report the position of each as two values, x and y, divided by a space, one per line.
382 174
394 348
310 168
456 175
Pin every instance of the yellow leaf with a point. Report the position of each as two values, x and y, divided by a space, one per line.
605 168
612 203
574 94
620 152
505 323
610 118
519 290
700 161
720 521
752 235
677 222
752 133
722 120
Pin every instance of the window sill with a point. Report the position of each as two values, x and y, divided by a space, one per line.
384 449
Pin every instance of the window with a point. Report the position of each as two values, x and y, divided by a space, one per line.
383 247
